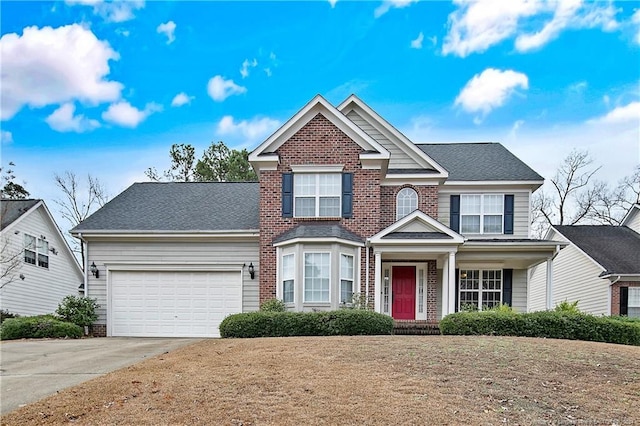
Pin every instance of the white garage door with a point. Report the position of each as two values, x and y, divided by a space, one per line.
173 304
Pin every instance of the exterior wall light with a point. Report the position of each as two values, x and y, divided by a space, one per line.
94 270
252 271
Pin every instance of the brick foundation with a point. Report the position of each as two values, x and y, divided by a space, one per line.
615 294
98 330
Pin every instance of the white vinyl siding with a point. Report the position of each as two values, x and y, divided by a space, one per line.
399 159
43 288
150 252
634 222
575 277
520 216
519 290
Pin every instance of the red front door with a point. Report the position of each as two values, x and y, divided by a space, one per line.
403 292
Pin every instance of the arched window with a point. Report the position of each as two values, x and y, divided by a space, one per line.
406 202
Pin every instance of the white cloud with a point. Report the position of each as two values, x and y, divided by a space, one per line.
629 113
168 29
63 120
124 114
490 90
6 136
417 43
389 4
220 89
333 3
479 24
181 99
250 130
111 11
51 66
244 71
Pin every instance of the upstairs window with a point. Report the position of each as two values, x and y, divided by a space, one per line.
36 251
317 195
406 202
481 214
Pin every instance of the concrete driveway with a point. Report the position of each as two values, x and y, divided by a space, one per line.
33 369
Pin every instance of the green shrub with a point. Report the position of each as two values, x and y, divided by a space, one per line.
550 324
273 305
570 308
345 322
4 314
40 326
78 310
503 307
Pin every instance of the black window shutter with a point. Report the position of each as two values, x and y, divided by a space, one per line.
347 195
508 214
287 195
507 286
454 213
624 300
457 284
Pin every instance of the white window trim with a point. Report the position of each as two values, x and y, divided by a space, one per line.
317 196
304 278
398 216
284 278
341 278
482 215
37 251
480 290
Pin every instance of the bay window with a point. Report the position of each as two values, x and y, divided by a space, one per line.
346 278
288 280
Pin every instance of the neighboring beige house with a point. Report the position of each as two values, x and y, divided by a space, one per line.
599 268
345 204
38 268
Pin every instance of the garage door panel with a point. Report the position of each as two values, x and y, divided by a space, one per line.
185 304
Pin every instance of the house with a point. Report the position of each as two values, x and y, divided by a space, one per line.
38 267
345 204
599 268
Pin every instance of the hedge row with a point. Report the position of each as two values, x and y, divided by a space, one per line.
40 326
345 322
555 325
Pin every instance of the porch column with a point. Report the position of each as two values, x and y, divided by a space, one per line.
550 283
452 282
377 307
445 285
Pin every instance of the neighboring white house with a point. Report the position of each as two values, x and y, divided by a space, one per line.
38 269
600 268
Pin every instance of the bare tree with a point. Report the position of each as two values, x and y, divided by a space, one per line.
10 262
577 197
79 201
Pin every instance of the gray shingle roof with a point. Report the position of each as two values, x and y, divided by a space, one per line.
615 248
179 206
479 161
11 210
318 230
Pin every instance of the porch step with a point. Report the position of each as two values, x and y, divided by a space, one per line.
416 327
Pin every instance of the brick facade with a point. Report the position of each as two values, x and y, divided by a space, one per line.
319 142
615 294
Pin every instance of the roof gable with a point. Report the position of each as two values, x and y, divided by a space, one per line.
265 154
418 226
12 210
614 248
631 219
421 160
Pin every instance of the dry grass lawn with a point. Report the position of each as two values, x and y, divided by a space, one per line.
361 380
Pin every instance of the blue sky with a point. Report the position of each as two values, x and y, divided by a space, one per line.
107 87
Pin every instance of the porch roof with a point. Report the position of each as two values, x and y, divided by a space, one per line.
417 236
318 230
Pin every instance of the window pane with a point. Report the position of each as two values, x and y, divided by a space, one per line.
30 256
346 291
316 277
43 260
305 207
329 207
346 266
634 297
287 266
492 225
493 204
287 291
330 184
490 299
304 184
470 224
470 204
29 242
469 300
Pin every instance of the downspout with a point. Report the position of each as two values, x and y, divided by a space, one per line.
367 245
